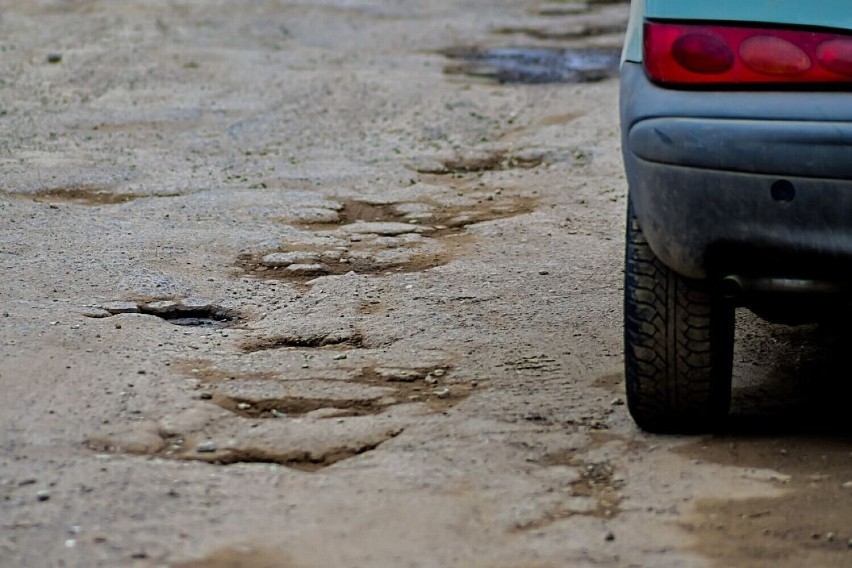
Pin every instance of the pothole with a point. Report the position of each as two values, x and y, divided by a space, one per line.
597 481
384 238
535 65
293 407
432 386
83 194
489 161
191 312
300 460
342 339
189 448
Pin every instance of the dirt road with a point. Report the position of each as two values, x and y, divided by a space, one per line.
336 283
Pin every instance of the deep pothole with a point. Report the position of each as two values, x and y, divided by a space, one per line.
188 312
534 65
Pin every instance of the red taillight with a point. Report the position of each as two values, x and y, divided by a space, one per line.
682 54
702 53
836 55
773 56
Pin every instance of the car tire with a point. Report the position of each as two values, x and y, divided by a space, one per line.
678 344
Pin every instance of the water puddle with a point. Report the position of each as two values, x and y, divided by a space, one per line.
534 66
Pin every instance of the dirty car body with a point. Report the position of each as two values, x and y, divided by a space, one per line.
737 143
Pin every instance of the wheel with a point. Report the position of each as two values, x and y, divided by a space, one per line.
678 344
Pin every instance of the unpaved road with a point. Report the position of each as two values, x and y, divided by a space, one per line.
405 278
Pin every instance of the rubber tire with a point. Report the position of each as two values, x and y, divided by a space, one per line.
678 344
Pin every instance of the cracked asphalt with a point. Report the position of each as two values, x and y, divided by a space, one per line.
336 283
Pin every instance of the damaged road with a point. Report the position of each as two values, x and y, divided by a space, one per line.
323 284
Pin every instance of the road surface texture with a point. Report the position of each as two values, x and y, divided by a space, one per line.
337 283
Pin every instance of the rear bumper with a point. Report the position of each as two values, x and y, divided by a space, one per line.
730 182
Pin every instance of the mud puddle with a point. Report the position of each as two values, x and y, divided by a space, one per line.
810 525
384 238
535 66
91 195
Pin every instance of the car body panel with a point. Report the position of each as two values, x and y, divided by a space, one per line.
833 14
706 195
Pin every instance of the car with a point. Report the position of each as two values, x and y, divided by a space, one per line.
736 126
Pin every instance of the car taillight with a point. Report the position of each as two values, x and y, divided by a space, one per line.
688 54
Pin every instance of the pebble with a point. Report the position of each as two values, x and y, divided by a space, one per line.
847 485
277 414
610 536
339 356
43 495
439 372
54 57
196 304
443 393
386 229
431 380
121 307
394 375
616 402
95 313
205 396
243 406
206 447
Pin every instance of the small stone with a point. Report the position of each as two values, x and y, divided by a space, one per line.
282 259
396 375
276 414
243 406
385 229
339 356
205 396
439 372
543 272
830 537
43 495
196 304
443 393
121 307
431 380
616 402
70 543
95 313
610 536
54 57
847 485
206 447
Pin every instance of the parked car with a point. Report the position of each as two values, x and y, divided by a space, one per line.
736 122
